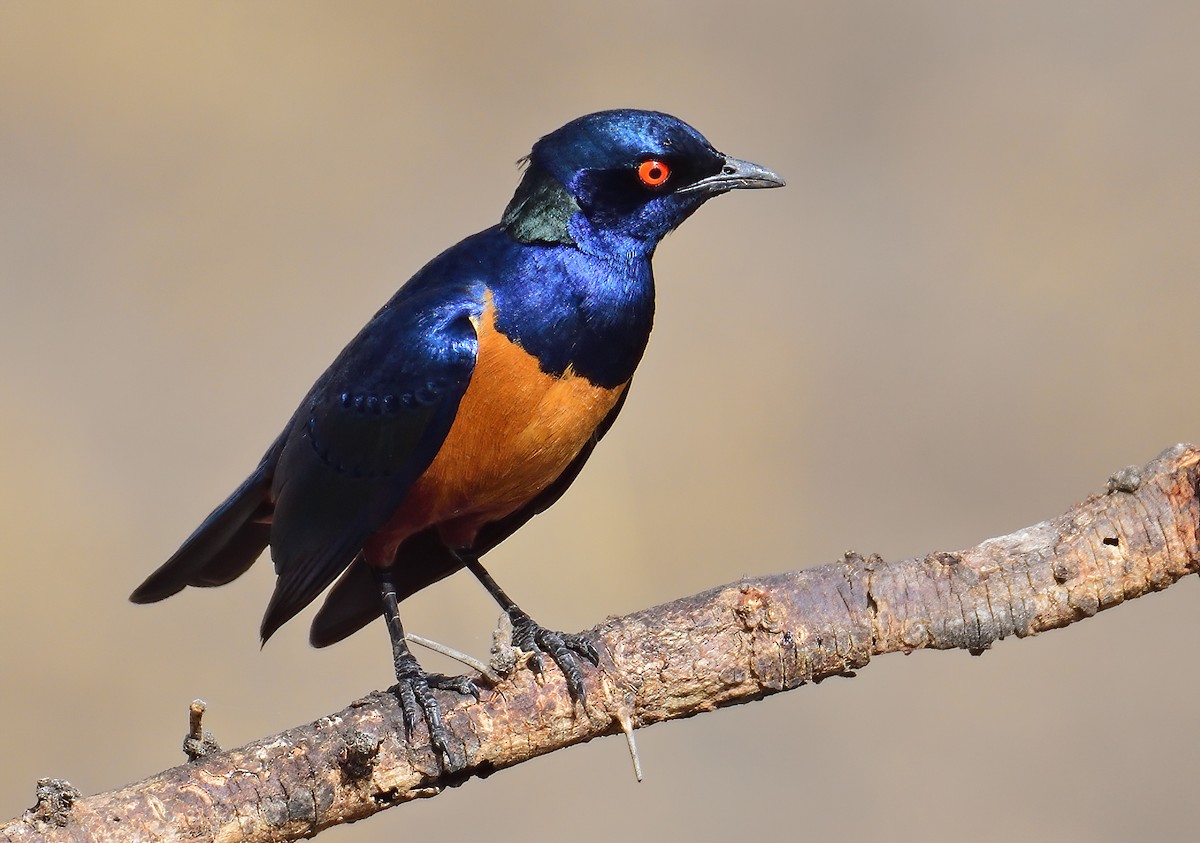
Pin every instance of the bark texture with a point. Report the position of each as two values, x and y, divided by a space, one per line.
733 644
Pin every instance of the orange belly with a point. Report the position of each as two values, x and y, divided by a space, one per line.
516 430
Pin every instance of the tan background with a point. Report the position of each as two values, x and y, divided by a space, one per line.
975 300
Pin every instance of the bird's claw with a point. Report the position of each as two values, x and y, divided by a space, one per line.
415 689
562 647
463 685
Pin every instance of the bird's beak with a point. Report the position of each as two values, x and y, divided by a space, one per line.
735 174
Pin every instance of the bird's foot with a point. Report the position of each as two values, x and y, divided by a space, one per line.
562 647
415 689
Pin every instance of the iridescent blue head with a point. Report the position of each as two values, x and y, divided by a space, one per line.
620 181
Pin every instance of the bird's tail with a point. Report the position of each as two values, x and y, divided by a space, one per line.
354 600
223 547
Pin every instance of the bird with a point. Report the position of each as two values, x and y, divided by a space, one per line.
469 402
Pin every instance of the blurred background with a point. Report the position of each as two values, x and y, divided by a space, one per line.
975 300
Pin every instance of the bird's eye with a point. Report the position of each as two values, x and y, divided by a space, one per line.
653 173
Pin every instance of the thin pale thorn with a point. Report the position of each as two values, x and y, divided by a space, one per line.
627 729
450 652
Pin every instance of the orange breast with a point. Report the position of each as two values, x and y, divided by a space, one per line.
516 430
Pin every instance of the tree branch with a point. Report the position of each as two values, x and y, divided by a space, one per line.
730 645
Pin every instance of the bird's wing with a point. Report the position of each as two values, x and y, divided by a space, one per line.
368 429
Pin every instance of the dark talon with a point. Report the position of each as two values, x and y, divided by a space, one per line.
532 638
458 684
561 647
414 686
415 689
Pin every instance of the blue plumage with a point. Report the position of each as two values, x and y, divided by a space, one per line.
418 450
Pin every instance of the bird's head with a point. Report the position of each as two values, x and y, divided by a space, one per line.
620 181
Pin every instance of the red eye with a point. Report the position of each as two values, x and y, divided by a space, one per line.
653 173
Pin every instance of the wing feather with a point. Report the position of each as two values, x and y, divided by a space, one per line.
367 430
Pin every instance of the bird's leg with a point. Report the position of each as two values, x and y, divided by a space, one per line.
415 686
533 638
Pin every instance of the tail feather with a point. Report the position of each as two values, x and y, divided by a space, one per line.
351 604
222 548
354 601
236 557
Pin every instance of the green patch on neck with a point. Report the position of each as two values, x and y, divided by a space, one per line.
539 210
